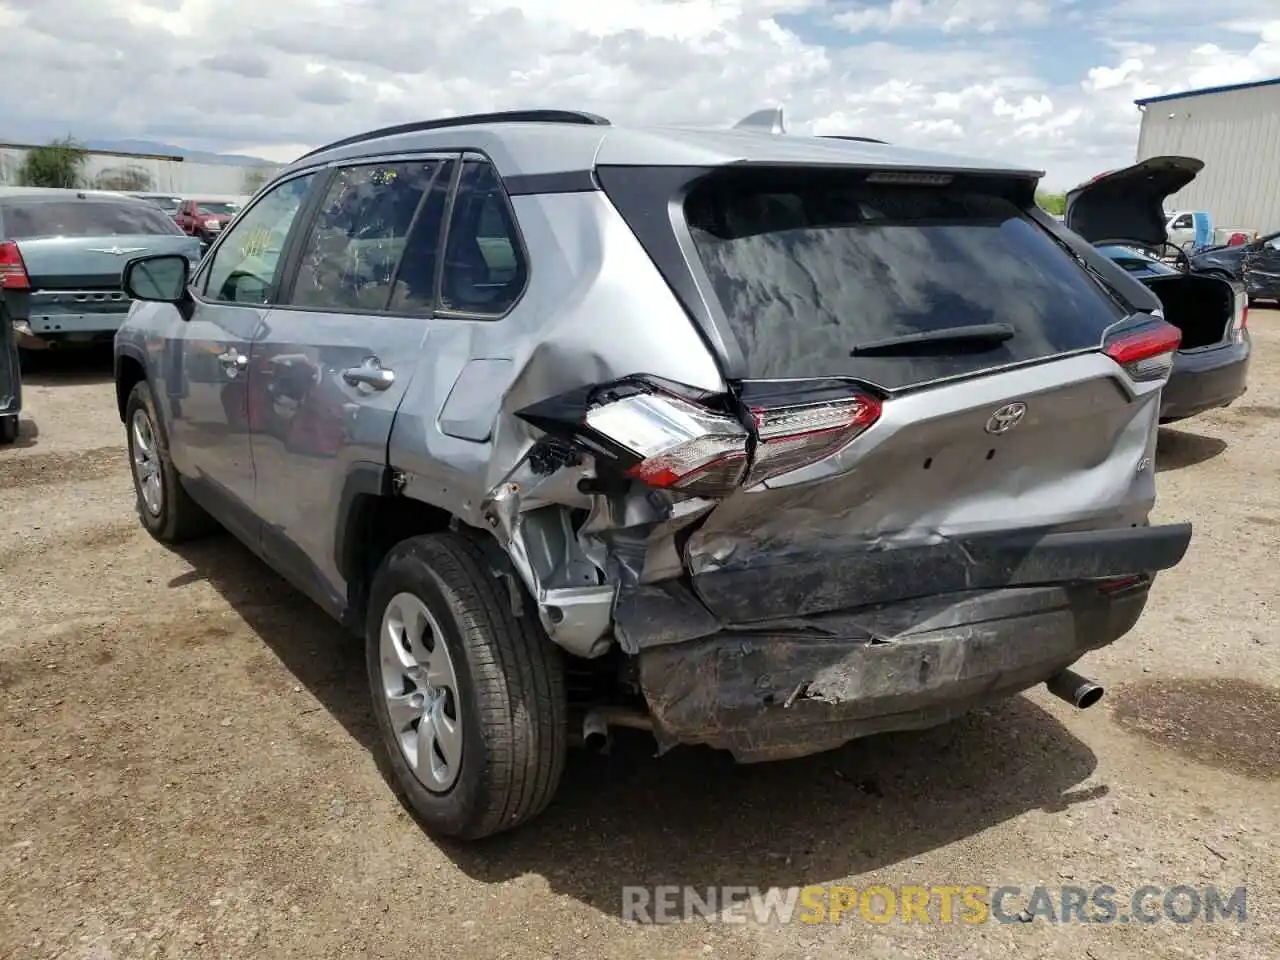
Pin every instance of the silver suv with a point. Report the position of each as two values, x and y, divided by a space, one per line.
759 441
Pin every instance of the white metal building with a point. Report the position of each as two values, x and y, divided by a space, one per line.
1235 130
149 173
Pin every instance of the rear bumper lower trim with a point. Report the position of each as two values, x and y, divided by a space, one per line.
1205 381
786 585
772 695
56 323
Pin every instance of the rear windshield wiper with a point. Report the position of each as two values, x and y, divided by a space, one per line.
978 334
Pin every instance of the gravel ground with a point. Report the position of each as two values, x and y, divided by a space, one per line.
188 765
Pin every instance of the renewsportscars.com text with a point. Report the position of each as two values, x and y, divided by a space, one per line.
944 904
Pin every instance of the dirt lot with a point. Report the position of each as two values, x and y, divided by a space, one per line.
188 766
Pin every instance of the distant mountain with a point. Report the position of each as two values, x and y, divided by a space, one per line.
167 149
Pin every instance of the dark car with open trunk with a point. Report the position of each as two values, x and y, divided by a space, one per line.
1122 212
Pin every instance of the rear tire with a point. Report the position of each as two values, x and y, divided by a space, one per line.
8 429
164 506
489 755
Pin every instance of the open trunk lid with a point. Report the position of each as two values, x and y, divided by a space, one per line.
1128 204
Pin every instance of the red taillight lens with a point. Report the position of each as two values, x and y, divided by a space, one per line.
1241 319
13 272
793 437
680 446
1146 353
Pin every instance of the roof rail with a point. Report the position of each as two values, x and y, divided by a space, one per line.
847 136
769 119
467 120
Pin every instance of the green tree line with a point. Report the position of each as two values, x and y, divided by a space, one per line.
60 163
1054 203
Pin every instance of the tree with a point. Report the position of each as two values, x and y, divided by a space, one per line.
127 179
1055 203
254 178
60 164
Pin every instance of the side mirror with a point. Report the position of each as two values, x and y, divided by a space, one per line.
160 278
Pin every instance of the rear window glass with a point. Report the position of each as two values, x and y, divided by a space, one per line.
806 270
83 218
1135 262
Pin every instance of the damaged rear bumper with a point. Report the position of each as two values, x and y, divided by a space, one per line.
770 695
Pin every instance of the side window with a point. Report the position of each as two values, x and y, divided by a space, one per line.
245 265
415 286
350 258
484 266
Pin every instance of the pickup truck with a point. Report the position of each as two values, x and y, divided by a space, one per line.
205 219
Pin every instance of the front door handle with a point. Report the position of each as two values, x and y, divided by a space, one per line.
370 373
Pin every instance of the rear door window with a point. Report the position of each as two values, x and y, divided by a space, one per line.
809 266
84 218
351 255
484 266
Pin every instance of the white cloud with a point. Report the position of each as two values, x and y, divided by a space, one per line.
1028 109
276 78
985 16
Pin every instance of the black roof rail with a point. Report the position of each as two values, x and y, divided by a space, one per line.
467 120
849 136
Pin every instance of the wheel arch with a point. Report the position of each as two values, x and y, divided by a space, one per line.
130 370
372 518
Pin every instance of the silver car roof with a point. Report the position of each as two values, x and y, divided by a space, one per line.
537 148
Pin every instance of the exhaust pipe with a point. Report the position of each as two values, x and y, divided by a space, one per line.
598 720
1078 691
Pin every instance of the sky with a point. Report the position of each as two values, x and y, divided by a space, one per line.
1047 83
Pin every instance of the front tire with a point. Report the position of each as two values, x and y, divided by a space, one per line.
8 429
164 506
469 697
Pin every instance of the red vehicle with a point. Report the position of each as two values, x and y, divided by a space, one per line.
205 218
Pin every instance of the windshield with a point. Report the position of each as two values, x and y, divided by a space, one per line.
809 266
83 218
168 204
217 209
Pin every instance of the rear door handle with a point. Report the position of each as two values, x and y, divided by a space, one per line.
370 373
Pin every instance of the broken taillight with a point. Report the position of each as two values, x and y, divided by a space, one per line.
1240 321
793 437
1146 353
678 444
672 437
13 272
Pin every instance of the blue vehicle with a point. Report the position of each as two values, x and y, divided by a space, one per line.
1256 264
61 256
1122 214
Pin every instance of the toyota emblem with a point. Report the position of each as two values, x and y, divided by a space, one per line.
1006 418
